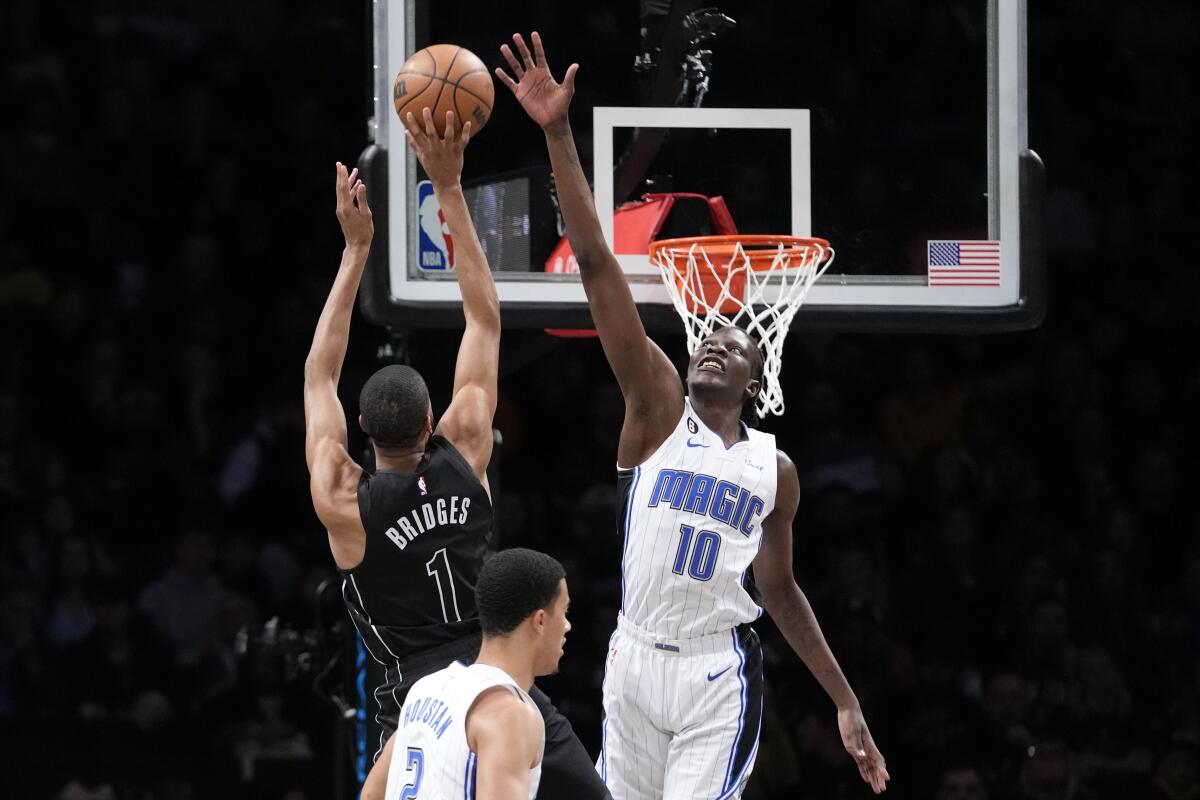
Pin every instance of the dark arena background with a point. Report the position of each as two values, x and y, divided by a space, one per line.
995 529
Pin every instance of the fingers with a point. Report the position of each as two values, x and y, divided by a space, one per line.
507 52
539 53
339 177
361 197
507 81
430 128
466 134
524 51
569 79
341 187
876 769
416 136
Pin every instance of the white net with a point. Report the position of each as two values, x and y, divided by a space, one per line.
758 289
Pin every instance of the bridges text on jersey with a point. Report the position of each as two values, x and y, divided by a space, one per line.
443 511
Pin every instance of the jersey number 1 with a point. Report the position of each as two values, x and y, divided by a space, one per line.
703 561
438 568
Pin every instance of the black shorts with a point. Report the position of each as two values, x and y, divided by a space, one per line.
567 771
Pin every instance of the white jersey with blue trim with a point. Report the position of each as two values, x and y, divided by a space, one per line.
431 758
692 516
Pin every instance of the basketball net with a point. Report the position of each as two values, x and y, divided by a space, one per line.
717 281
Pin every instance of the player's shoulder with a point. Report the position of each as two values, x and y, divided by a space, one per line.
500 710
785 468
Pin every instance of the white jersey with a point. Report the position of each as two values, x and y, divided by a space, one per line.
692 518
431 759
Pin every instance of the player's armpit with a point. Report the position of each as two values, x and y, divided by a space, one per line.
333 484
506 736
323 415
467 424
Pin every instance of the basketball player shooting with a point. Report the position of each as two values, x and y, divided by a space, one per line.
473 731
705 497
411 538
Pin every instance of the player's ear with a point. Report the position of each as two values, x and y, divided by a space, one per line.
753 388
362 425
539 620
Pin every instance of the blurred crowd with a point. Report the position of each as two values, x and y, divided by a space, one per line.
995 531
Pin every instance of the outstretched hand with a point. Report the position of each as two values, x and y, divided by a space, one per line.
441 156
861 747
353 212
545 100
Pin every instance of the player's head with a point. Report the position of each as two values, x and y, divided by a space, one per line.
394 407
523 593
728 367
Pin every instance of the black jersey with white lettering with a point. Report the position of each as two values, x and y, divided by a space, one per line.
427 535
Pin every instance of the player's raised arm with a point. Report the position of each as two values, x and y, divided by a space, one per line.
651 386
333 473
792 614
506 734
467 423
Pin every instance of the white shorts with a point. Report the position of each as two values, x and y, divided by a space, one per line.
681 716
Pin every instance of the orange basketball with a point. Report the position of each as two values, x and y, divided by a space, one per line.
445 77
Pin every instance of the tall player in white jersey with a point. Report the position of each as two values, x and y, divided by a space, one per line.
473 731
705 498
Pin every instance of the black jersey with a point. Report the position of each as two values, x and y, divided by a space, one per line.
427 534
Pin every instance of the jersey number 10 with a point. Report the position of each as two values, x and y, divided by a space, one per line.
703 556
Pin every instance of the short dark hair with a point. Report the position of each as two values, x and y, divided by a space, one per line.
512 585
394 403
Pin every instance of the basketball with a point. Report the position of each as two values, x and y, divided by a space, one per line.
445 77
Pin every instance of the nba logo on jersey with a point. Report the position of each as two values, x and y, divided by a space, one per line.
421 486
435 249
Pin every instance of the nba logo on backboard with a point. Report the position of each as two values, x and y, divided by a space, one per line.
435 249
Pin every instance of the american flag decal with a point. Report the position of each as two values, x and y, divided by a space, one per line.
964 263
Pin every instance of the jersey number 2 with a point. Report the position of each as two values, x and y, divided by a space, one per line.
703 560
416 765
438 568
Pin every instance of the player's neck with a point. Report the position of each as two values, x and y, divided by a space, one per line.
507 654
399 459
719 418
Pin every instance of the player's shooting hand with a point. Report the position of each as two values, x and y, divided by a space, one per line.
858 743
353 213
545 100
441 156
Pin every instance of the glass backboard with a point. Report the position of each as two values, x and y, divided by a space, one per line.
897 132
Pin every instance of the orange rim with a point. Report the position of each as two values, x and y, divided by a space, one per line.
759 248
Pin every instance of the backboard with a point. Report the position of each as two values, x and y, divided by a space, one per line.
895 130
